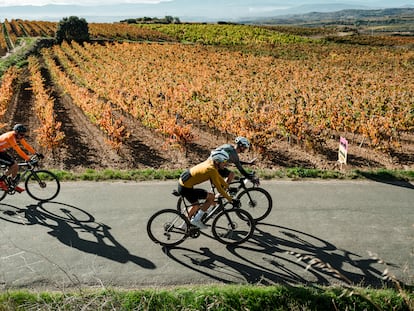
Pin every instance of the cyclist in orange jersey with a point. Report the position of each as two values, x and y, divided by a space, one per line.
12 139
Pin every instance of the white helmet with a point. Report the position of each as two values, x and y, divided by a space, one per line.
242 141
219 156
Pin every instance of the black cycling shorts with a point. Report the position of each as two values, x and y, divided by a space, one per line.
192 194
6 159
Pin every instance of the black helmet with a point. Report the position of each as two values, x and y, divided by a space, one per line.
19 128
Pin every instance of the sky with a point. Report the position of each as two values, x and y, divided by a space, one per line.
78 2
104 2
186 10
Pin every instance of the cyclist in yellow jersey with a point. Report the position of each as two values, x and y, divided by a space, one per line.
10 140
207 170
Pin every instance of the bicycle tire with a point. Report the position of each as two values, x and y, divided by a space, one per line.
180 205
164 227
257 201
233 227
42 185
3 194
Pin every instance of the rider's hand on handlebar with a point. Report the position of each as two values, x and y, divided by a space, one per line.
40 155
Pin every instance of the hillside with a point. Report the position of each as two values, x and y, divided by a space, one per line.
373 21
85 144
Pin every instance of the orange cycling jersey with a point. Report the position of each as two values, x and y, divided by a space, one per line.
8 140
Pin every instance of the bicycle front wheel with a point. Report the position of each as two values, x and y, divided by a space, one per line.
168 227
42 185
257 202
2 194
233 227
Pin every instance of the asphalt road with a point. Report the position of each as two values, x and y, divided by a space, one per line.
94 234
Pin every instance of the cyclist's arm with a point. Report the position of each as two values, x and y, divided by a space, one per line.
19 150
218 182
26 145
248 162
242 170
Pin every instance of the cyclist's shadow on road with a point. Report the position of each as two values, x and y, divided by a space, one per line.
287 257
66 222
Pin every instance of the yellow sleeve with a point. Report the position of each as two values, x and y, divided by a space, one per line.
220 184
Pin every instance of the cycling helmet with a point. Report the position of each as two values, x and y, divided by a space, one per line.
19 128
242 141
220 156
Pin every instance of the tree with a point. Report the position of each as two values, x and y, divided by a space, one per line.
72 28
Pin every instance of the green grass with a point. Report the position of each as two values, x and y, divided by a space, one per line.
212 34
18 58
215 297
287 173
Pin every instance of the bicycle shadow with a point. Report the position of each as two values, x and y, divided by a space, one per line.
67 226
290 257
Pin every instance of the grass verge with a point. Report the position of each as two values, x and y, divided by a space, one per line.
288 173
215 297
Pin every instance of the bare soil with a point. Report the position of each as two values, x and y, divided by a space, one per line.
84 145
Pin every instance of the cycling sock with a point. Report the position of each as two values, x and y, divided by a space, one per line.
198 216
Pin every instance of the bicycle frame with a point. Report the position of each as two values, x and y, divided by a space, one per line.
40 184
220 206
24 167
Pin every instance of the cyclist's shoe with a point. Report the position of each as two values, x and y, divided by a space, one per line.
19 189
198 224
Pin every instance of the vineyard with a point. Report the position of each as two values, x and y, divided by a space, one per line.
164 95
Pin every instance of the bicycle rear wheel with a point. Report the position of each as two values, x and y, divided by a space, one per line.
168 227
233 227
257 202
42 185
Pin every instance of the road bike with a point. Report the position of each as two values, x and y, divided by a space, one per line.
230 225
254 199
40 184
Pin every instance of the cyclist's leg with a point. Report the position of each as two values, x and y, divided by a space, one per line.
192 195
209 200
10 163
198 215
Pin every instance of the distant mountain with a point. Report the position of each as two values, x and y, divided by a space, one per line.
394 15
188 10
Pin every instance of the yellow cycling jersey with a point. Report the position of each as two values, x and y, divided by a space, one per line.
203 172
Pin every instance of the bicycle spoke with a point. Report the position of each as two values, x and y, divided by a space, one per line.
257 202
233 226
167 227
42 185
